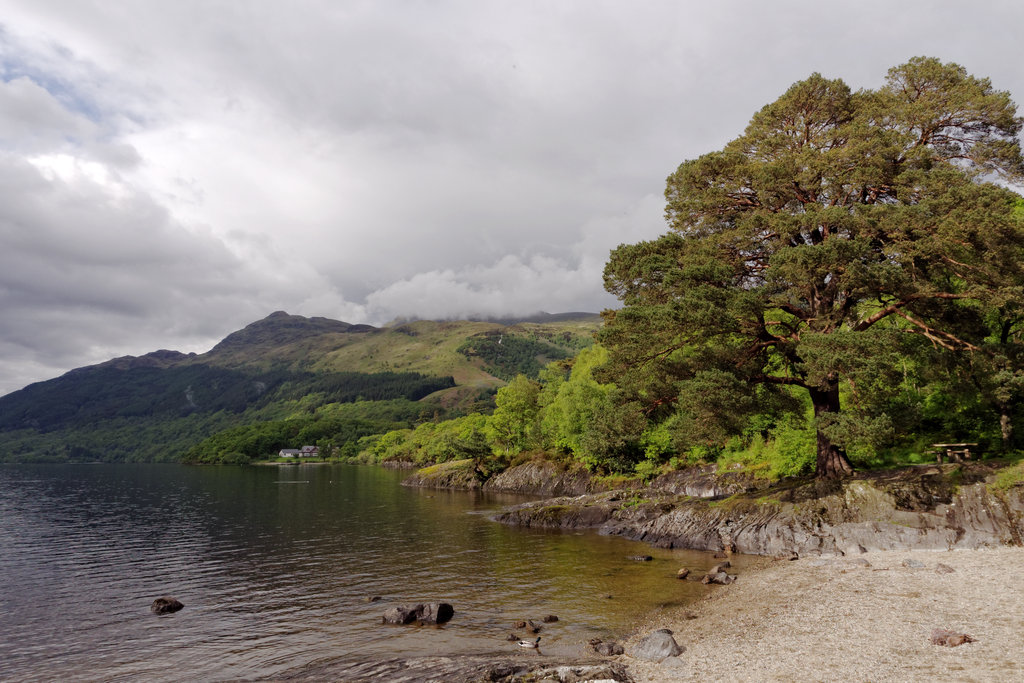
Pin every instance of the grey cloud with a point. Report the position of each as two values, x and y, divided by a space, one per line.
31 118
172 171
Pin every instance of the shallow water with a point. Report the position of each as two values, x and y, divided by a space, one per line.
275 566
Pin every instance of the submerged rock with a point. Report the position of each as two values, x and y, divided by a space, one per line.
165 605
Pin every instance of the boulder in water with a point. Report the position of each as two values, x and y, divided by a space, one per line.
402 614
165 605
430 613
436 613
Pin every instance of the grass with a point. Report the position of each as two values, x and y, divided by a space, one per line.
431 348
1008 478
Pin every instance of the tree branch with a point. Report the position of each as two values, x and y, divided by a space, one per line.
946 340
773 379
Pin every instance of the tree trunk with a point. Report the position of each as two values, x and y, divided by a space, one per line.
832 461
1005 427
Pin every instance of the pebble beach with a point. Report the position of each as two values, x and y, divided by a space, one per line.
866 617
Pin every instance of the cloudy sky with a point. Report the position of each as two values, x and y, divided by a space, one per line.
171 171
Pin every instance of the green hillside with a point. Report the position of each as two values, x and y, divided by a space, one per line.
300 379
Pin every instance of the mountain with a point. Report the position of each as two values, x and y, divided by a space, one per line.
281 369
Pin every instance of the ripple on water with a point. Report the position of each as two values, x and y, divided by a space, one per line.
274 577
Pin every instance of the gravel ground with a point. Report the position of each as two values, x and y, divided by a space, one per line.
863 618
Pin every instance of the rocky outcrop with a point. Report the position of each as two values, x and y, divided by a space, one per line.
542 478
457 475
707 482
923 507
536 478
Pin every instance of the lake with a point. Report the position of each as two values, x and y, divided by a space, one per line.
275 566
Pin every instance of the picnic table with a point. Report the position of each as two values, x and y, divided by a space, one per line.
953 451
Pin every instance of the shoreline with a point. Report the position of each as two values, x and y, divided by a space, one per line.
855 618
825 618
849 608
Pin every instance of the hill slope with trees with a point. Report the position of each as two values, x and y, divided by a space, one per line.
303 379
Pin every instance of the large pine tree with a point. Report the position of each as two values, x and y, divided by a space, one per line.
836 224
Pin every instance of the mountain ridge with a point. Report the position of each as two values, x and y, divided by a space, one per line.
280 367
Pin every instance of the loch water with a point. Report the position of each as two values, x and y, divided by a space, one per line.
276 566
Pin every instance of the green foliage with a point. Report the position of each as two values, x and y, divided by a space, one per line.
847 244
507 355
433 442
571 405
515 423
336 428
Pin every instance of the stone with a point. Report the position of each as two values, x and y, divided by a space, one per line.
719 577
519 624
586 673
165 605
943 569
657 646
949 638
682 573
855 549
436 613
911 563
609 649
511 637
720 567
402 614
549 619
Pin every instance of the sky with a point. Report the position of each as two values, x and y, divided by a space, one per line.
172 171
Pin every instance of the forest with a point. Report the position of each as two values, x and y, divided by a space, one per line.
840 286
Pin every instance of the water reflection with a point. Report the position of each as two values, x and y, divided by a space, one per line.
275 566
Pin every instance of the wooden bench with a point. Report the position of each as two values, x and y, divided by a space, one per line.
955 452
